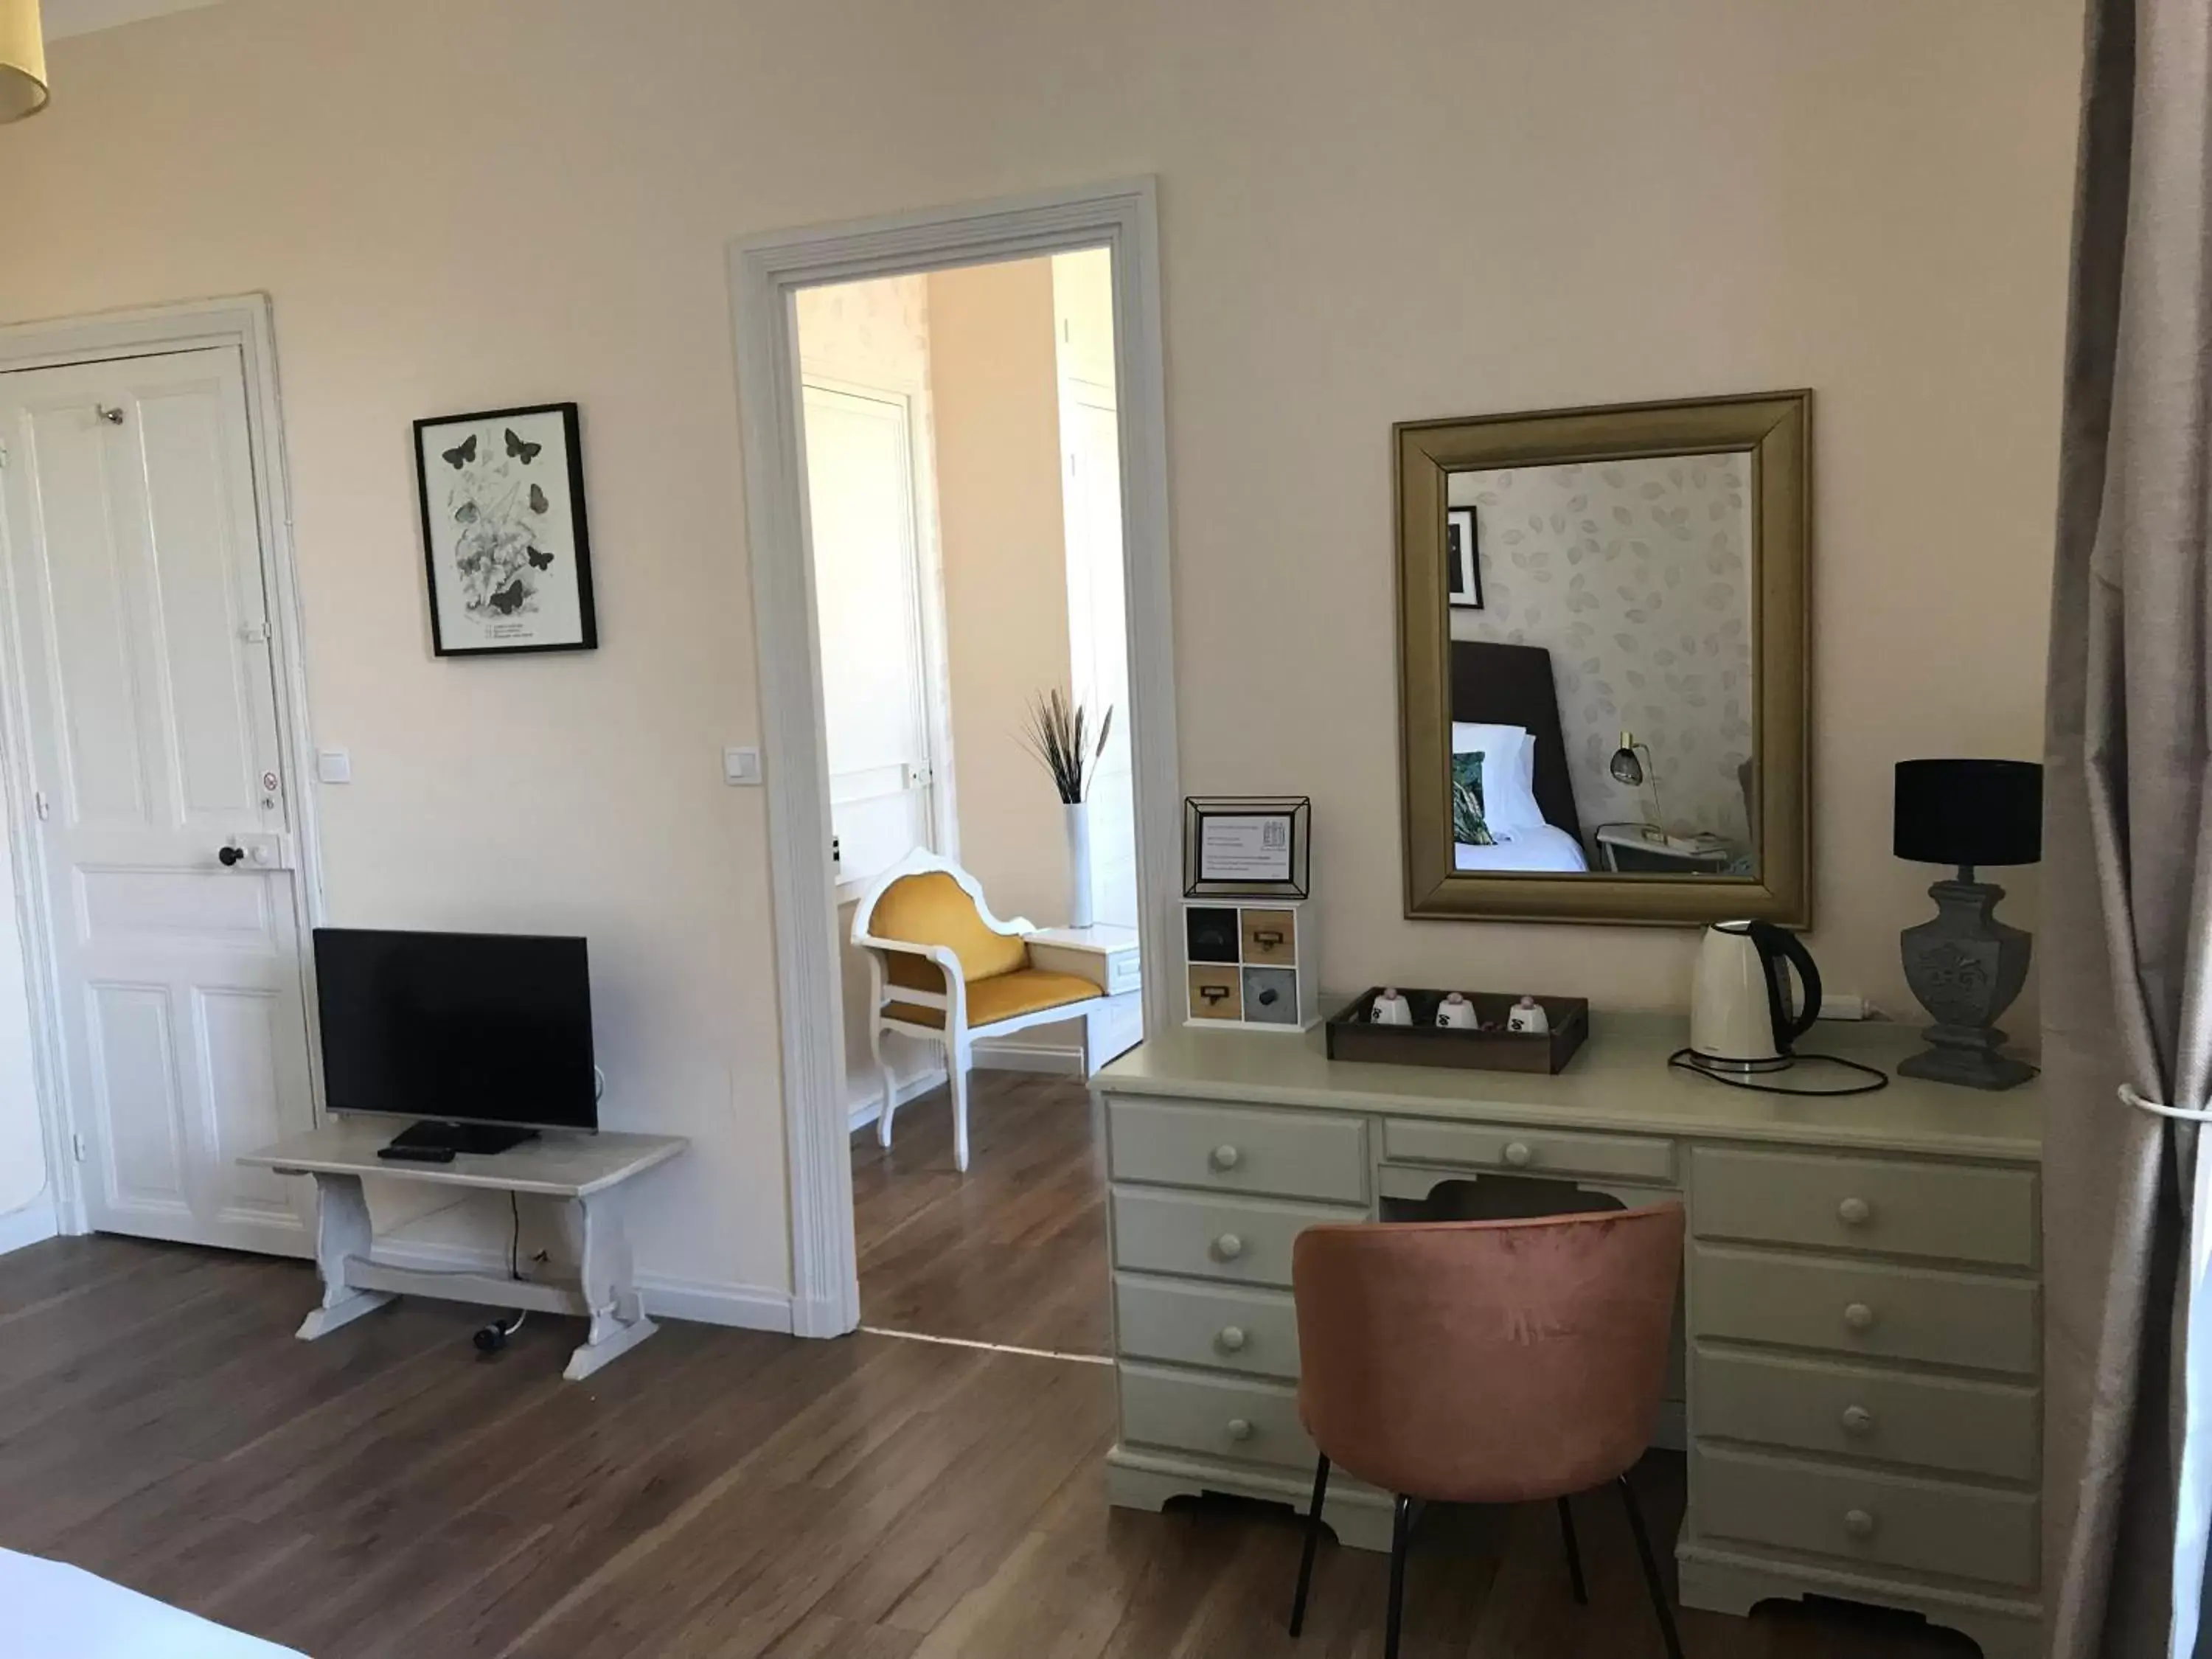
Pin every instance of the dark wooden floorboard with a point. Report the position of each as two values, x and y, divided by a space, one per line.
1014 1251
385 1493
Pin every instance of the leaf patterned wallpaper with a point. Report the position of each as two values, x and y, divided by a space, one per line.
1636 576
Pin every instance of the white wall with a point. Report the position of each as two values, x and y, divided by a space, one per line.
22 1148
1414 209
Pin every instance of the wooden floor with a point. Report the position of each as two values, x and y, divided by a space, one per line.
386 1491
1014 1251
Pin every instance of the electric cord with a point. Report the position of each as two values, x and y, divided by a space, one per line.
1681 1060
514 1242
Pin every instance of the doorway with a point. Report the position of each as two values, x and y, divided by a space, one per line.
768 276
160 849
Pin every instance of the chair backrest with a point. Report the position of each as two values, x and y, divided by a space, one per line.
931 907
1487 1361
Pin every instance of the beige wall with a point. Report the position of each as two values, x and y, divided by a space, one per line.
455 212
1006 569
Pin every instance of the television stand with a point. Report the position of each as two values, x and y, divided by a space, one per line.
589 1177
431 1142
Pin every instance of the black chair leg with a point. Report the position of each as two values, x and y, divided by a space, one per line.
1574 1554
1402 1528
1313 1539
1650 1570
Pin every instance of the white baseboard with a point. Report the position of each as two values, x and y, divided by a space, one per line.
745 1307
1008 1054
34 1224
866 1108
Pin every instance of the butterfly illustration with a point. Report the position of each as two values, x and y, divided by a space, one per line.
538 560
523 452
465 513
538 502
509 599
461 453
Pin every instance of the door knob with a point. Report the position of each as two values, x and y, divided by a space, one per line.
1858 1523
1228 1247
1239 1429
1517 1154
1853 1211
1231 1340
1859 1316
1857 1420
230 855
1226 1157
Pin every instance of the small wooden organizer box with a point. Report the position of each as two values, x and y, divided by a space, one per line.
1252 965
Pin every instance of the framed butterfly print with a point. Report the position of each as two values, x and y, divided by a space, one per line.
504 536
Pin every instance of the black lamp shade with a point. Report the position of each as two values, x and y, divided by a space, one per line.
1969 812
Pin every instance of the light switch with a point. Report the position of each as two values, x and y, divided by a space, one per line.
741 766
334 765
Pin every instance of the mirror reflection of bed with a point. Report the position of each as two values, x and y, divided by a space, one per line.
1600 675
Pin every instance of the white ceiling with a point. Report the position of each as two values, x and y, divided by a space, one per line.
67 17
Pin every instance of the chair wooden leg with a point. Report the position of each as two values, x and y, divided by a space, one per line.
1574 1554
1650 1570
1313 1541
1402 1528
958 1053
891 1087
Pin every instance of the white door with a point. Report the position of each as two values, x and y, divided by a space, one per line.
142 648
1098 638
868 598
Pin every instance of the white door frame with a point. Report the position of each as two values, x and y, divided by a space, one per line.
247 323
765 273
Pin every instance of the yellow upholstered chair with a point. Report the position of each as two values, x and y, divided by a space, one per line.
942 968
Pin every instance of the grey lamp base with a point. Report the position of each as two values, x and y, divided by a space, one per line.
1965 967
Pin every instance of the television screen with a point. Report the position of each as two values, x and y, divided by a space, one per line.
469 1028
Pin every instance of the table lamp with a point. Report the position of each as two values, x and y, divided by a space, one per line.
1964 966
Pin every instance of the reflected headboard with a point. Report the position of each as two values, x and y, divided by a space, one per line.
1511 685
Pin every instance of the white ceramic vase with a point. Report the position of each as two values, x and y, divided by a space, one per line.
1079 862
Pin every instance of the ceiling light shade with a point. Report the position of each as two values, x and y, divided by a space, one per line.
22 60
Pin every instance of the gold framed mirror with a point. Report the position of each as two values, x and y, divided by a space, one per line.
1604 685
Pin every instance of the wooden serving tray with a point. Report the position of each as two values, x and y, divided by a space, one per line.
1351 1036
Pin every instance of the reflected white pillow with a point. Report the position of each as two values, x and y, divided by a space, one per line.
1508 772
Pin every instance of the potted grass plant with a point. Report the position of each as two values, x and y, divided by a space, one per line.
1057 730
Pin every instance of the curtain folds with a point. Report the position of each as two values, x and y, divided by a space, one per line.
2127 884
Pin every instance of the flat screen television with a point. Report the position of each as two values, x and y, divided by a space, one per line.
491 1033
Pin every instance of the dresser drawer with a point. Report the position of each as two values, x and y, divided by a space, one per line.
1881 1520
1950 1211
1187 1324
1865 1308
1231 1149
1990 1429
1538 1151
1214 1416
1245 1241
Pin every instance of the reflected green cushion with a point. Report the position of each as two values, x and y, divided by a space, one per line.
1469 828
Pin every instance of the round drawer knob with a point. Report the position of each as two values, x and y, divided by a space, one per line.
1517 1154
1240 1430
1857 1420
1859 1316
1858 1524
1228 1247
1231 1340
1853 1211
1226 1156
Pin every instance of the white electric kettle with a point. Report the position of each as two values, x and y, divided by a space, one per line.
1742 1016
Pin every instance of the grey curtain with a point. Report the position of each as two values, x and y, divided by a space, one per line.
2127 902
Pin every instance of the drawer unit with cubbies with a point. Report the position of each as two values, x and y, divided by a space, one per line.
1251 964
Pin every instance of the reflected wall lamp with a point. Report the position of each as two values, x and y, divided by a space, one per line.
22 61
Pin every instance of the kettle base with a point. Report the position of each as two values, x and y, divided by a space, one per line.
1721 1066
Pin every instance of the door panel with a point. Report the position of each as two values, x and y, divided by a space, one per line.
868 604
1098 639
134 577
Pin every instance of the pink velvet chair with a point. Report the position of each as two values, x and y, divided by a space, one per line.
1486 1362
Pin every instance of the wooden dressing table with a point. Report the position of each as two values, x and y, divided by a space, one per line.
1861 1397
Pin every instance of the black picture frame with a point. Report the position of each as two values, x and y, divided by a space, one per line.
1462 559
1296 812
438 440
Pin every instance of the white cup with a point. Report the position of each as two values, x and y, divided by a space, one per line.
1457 1012
1528 1016
1390 1009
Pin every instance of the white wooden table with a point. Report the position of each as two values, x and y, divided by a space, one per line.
589 1172
1107 955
